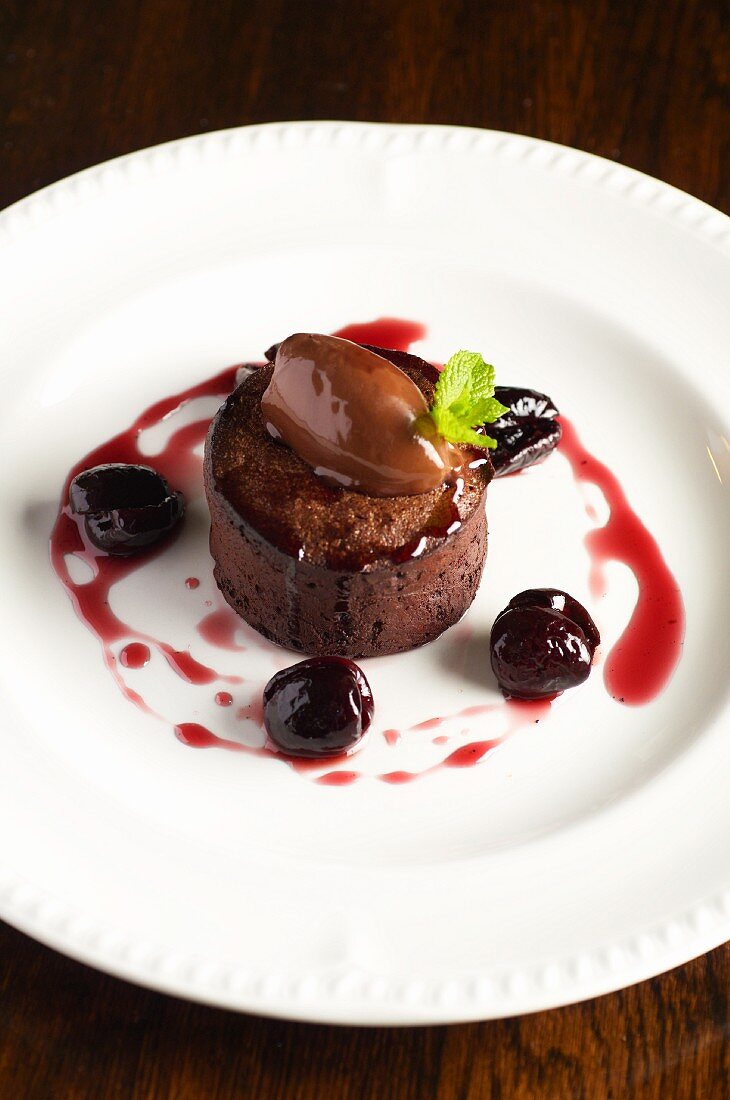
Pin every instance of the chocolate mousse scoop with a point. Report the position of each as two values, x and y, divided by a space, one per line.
357 419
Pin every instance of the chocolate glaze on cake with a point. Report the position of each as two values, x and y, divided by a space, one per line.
331 570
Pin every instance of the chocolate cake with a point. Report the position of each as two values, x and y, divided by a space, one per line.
332 570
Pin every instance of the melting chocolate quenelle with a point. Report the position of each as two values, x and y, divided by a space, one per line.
354 418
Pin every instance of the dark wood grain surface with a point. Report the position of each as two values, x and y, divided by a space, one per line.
84 80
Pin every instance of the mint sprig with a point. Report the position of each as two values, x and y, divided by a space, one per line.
464 400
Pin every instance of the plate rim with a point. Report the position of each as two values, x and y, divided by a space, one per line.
370 1001
678 206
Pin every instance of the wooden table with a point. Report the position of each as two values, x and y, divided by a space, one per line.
84 80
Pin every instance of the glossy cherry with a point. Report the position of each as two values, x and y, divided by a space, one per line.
522 403
125 507
318 708
527 432
554 599
542 644
116 485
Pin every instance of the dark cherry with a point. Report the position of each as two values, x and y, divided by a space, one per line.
554 599
116 485
527 432
127 530
542 644
522 403
318 708
125 508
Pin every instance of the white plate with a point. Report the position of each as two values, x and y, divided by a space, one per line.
591 851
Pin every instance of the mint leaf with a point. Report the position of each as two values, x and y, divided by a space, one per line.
464 400
487 409
454 429
454 380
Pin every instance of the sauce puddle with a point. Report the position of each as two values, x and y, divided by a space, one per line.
645 656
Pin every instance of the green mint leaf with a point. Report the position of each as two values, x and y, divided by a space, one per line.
487 410
453 381
454 429
476 439
464 400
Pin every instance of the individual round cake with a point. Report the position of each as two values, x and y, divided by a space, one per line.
331 570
